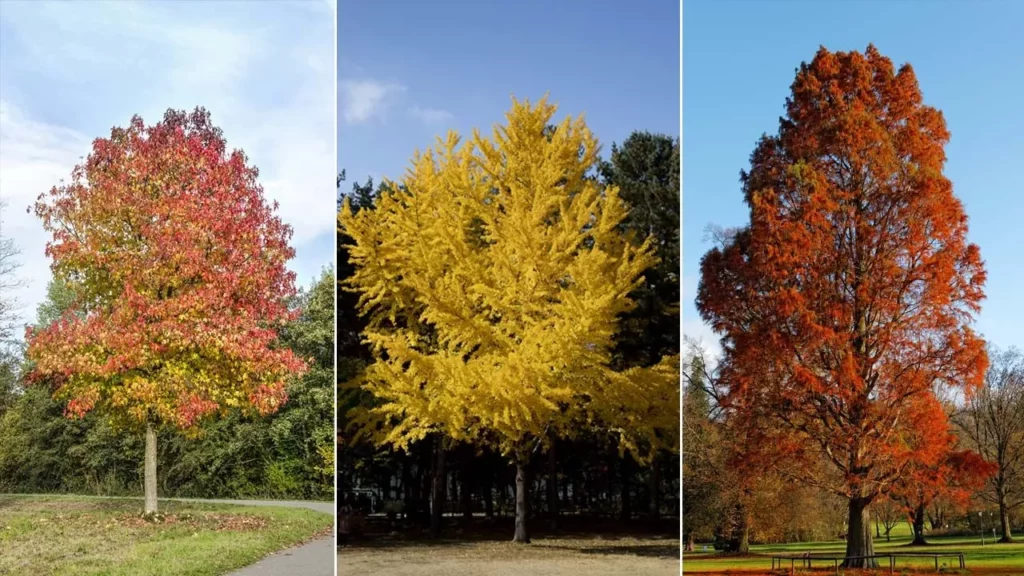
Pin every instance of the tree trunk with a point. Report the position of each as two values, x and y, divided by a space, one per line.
1004 520
858 536
627 510
522 501
466 491
488 489
437 489
552 487
919 527
577 482
407 489
878 530
743 544
149 472
655 490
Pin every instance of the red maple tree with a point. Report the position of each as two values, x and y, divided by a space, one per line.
177 264
849 295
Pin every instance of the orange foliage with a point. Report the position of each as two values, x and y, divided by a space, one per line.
848 297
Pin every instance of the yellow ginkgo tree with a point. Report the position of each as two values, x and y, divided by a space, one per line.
493 276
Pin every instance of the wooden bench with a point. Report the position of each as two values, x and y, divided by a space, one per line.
806 559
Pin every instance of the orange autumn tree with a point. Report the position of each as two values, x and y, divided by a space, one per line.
849 295
177 264
955 477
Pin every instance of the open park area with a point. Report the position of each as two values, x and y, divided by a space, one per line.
76 535
580 547
990 558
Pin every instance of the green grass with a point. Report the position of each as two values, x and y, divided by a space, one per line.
1003 557
65 535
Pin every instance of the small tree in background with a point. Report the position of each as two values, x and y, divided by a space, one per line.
177 265
992 422
955 477
10 348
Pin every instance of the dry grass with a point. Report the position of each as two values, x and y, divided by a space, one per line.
605 556
69 536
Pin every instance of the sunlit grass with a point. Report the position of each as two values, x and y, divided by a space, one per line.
65 535
989 556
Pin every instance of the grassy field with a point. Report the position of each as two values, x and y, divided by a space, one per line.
66 535
988 559
570 556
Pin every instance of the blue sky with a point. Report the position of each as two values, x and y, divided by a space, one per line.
456 64
739 59
265 70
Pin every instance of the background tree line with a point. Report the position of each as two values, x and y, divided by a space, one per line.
990 423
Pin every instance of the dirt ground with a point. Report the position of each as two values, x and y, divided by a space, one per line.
591 556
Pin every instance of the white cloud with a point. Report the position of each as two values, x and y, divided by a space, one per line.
708 341
363 100
34 157
431 115
266 76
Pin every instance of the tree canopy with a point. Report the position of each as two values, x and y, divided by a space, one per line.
178 266
493 277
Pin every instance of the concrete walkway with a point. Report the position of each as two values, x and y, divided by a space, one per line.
314 558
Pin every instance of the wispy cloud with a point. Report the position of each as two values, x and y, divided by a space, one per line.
364 100
34 156
431 116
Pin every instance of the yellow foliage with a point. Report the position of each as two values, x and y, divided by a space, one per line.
493 275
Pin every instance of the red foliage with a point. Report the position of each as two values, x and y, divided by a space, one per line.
178 267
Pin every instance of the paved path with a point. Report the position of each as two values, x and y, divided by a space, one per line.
314 558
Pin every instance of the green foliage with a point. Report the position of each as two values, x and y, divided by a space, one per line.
646 171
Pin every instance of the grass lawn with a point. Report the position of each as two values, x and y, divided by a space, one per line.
74 536
989 559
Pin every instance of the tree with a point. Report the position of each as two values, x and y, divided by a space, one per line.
493 278
178 265
10 347
702 457
645 169
287 455
956 477
849 295
992 422
890 513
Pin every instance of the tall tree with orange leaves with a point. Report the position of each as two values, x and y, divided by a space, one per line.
177 265
849 296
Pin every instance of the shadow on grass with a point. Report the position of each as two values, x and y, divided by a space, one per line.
597 536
